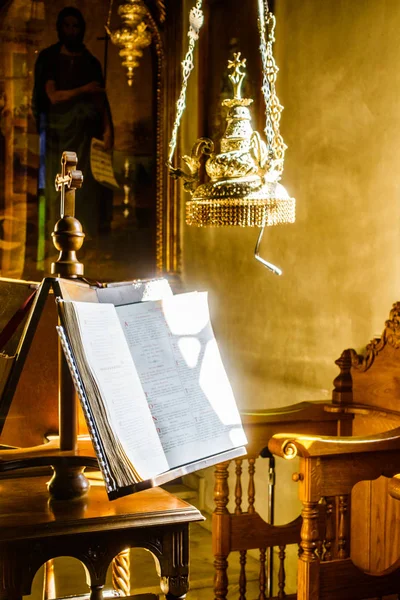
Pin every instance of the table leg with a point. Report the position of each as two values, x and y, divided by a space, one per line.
174 597
173 589
11 574
96 592
175 564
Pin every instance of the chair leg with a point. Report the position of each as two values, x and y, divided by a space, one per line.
308 571
220 578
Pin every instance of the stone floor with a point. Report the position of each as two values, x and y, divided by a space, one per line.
70 576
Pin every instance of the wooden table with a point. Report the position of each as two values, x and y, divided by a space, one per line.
34 529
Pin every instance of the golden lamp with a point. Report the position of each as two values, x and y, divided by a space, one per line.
134 34
243 179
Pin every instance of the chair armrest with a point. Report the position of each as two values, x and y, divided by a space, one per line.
305 417
289 445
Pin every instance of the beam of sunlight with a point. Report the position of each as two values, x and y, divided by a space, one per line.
190 348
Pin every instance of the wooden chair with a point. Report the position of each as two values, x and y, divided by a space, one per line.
349 532
338 566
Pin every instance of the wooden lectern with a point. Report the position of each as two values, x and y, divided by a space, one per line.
71 517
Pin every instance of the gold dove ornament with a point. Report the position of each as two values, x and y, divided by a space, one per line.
243 178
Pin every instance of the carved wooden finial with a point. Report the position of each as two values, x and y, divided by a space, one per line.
68 235
343 383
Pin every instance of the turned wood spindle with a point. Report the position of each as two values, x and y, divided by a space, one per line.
262 578
320 548
309 532
242 575
330 529
251 487
221 578
282 572
238 486
221 488
308 564
221 498
343 550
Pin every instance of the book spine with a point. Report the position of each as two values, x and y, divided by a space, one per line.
98 448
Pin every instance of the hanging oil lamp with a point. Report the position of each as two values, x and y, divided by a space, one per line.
133 36
243 178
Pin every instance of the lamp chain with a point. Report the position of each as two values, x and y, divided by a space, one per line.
273 108
196 19
109 13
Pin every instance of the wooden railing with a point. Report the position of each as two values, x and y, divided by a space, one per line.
242 529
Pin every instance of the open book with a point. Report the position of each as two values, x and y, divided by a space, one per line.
155 394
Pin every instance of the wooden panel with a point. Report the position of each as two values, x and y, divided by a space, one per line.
34 409
341 580
250 531
375 516
360 529
385 522
379 506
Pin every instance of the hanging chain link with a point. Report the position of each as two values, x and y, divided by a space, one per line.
263 13
273 108
196 19
109 14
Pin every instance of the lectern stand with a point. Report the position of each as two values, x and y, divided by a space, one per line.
66 456
76 519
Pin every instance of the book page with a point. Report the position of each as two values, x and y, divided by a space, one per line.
181 371
135 291
109 359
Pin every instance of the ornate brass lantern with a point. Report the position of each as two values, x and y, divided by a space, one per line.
133 36
243 187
